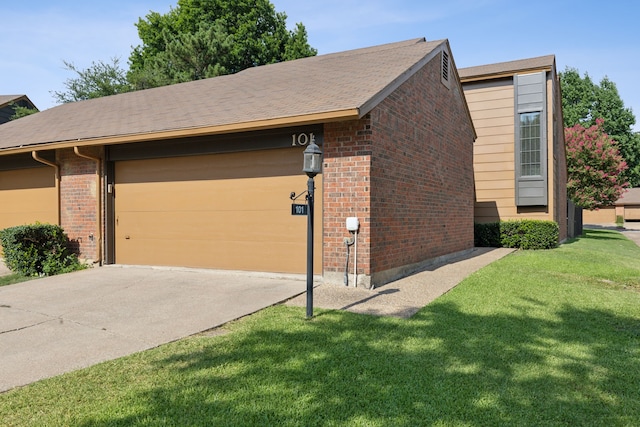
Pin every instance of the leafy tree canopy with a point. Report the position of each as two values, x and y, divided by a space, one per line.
584 102
206 38
595 167
100 79
20 111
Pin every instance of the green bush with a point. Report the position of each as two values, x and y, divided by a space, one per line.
521 234
487 235
38 250
619 221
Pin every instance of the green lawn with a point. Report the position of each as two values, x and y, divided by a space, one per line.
538 338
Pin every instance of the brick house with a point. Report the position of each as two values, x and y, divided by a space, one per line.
199 174
519 155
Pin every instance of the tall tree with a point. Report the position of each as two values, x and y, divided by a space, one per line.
19 111
206 38
100 79
583 102
594 165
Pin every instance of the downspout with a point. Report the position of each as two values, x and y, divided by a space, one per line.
55 166
98 162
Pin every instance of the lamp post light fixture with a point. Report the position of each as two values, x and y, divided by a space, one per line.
312 166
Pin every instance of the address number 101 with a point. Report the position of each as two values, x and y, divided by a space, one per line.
302 139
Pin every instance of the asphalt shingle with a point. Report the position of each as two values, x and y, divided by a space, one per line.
346 83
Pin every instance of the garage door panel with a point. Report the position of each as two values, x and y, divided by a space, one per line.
205 254
277 226
229 166
208 211
230 195
632 213
27 196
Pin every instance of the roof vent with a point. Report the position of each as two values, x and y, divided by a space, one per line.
446 64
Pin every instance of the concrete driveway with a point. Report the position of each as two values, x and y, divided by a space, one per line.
62 323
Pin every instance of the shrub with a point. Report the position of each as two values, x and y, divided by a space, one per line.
38 250
521 234
487 235
619 221
529 234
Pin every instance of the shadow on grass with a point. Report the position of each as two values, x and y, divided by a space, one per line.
602 234
443 366
597 234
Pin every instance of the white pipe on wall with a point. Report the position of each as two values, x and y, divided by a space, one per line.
355 259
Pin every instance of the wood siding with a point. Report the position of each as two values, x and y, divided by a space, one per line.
491 104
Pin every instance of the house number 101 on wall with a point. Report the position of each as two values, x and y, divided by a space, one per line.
302 139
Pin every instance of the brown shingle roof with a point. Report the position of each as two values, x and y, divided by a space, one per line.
345 84
501 68
7 99
630 197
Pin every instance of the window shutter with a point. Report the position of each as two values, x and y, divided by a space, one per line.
531 139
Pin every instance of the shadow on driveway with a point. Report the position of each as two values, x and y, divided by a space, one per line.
62 323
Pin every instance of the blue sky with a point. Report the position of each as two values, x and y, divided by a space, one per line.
601 38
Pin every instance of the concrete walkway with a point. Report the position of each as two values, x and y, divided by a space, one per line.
404 297
632 234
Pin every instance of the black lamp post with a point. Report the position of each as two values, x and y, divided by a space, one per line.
312 166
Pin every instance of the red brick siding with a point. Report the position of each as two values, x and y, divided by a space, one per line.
79 190
421 173
346 191
406 171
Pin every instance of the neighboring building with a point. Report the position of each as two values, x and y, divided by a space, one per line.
199 174
519 155
627 207
7 103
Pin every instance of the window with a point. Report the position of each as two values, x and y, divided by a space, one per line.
530 144
531 139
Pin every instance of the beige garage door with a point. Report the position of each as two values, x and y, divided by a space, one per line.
632 213
27 196
228 211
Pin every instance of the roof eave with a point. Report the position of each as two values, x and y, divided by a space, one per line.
307 119
503 74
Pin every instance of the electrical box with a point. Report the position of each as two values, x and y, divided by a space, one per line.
352 223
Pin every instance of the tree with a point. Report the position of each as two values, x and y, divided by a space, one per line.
584 102
19 111
594 165
205 38
100 79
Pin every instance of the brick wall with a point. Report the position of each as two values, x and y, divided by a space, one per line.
406 171
79 190
421 173
346 189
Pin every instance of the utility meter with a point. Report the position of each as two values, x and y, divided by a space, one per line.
352 223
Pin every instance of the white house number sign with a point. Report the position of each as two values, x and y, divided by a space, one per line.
302 139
